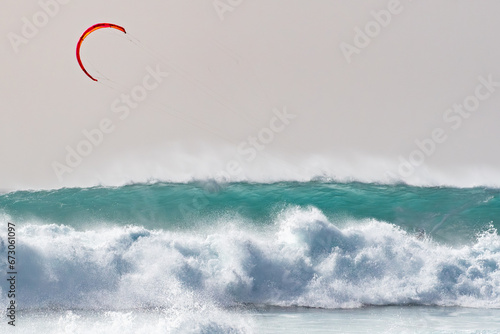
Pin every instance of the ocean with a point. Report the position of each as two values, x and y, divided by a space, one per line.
283 257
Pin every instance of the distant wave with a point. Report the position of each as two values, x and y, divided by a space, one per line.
301 259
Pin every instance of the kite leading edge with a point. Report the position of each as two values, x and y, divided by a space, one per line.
88 32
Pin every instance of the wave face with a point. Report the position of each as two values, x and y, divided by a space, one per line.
446 214
210 246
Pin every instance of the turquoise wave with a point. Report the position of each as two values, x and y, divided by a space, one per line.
449 214
315 244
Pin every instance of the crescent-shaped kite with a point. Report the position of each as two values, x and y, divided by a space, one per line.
88 32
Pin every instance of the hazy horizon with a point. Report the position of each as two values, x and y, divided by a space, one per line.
261 90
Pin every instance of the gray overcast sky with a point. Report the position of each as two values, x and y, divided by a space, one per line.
353 119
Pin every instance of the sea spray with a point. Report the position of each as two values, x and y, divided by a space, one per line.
303 259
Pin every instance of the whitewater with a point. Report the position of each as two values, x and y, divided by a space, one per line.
208 257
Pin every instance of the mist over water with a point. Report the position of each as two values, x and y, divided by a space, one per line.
221 162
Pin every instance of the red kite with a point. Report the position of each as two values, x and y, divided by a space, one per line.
88 32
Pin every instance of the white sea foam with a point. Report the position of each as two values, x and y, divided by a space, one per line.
303 260
132 321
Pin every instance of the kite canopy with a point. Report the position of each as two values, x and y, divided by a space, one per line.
88 32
